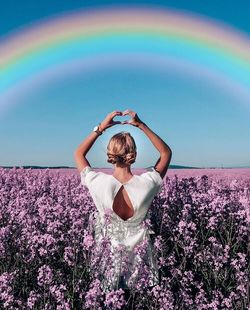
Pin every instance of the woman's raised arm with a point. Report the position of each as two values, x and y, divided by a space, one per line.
163 162
86 144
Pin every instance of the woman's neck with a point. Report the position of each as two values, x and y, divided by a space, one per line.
122 172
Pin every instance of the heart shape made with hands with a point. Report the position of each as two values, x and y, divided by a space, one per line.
122 116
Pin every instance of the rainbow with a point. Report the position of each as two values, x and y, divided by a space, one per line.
131 34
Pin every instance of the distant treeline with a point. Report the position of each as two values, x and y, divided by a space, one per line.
67 167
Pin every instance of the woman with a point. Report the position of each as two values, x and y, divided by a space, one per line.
126 197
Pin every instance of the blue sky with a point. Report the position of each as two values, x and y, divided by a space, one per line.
203 123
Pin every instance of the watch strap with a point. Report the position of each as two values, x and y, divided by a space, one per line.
99 132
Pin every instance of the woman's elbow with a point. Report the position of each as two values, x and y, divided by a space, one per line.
77 153
167 153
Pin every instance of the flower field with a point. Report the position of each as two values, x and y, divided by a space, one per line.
201 224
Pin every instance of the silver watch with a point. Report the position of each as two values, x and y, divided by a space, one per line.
96 129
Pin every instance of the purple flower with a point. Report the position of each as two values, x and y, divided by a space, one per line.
93 296
115 299
45 275
88 241
69 255
33 298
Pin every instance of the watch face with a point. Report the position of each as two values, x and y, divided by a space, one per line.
95 128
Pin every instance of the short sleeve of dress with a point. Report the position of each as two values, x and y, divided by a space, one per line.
88 176
155 177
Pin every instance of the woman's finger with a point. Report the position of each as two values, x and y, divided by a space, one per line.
116 113
130 112
111 114
125 112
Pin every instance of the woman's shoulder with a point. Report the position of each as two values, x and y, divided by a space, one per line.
152 180
152 175
89 175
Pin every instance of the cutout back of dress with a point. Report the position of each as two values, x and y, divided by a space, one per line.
122 204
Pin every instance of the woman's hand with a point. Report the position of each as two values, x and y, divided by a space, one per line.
135 120
108 121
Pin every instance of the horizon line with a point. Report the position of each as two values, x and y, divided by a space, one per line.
170 167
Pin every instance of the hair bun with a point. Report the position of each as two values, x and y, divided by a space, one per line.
130 158
121 149
124 159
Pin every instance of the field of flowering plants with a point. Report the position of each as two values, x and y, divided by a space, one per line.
201 224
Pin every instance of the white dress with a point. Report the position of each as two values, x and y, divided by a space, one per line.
141 190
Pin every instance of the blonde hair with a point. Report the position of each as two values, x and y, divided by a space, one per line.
121 148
